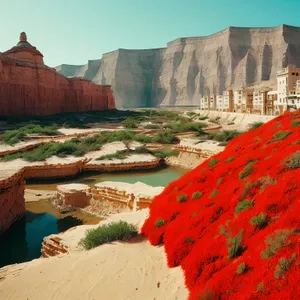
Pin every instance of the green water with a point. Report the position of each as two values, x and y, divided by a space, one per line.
22 241
160 177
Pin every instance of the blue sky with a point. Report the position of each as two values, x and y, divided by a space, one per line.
73 31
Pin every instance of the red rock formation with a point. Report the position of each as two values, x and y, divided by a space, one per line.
12 203
28 87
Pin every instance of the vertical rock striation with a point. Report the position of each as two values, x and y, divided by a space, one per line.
191 67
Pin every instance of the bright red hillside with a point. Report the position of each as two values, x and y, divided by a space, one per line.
233 223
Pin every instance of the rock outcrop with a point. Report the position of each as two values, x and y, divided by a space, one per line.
28 87
190 67
12 203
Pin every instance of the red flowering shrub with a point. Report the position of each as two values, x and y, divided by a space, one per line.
233 223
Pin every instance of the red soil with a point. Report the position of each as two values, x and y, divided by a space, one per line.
225 252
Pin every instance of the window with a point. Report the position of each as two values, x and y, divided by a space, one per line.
293 73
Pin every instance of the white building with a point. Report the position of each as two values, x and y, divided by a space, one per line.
219 102
204 103
272 97
286 85
212 102
239 101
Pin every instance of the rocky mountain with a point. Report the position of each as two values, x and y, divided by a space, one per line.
191 67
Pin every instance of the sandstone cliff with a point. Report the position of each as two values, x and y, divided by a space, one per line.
190 67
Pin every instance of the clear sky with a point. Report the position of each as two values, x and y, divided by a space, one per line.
73 31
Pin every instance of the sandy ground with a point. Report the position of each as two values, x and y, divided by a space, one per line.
132 270
37 195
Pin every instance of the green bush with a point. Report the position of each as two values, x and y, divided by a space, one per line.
296 123
202 118
12 137
243 205
214 193
283 266
260 221
160 222
241 268
213 162
115 231
236 247
256 125
130 123
226 135
230 159
181 198
177 127
247 170
197 195
280 135
152 126
117 155
293 161
164 137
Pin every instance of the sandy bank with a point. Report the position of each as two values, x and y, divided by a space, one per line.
132 270
37 195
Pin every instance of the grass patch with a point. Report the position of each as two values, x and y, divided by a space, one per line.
247 170
225 135
283 266
115 231
214 193
280 135
260 221
296 123
164 137
256 125
243 205
12 137
152 126
130 123
275 242
213 162
197 195
160 223
242 268
230 159
182 198
179 127
236 248
293 161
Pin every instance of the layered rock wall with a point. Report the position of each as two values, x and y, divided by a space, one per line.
191 67
29 88
12 202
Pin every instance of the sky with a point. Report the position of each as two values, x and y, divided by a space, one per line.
74 31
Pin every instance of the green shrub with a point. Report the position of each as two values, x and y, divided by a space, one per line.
115 231
164 153
160 222
189 240
247 170
280 135
260 287
296 123
230 159
142 138
197 195
191 113
130 123
213 162
117 155
202 118
164 137
293 161
241 268
152 126
222 144
243 205
283 266
12 137
275 242
178 127
255 125
260 221
181 198
226 135
214 193
236 247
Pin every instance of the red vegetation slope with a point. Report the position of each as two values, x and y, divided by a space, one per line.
233 223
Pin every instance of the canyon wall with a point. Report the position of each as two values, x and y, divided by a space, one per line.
12 202
189 68
30 88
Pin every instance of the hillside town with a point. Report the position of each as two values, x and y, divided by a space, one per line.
264 101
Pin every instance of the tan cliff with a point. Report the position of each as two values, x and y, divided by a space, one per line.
190 67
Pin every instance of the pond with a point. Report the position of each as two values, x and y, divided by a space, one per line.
22 242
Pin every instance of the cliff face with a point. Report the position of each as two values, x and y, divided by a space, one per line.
29 88
191 67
